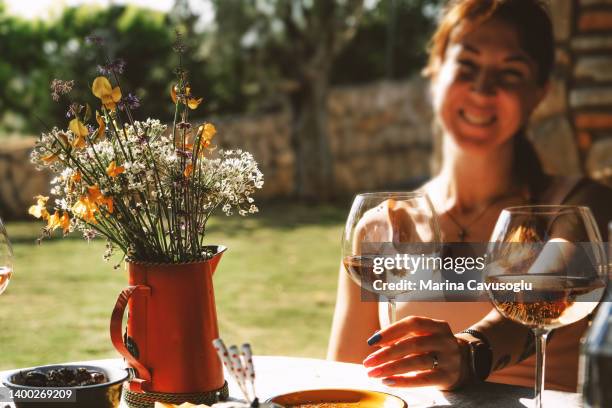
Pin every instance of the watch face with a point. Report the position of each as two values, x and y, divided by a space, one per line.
482 360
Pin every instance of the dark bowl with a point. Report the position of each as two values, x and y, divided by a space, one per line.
104 395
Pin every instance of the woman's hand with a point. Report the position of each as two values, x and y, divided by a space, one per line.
416 352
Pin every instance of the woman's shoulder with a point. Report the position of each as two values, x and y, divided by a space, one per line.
576 190
586 192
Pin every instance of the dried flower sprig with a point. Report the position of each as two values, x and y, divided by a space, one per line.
150 192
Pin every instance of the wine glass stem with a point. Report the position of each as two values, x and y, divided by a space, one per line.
540 340
392 310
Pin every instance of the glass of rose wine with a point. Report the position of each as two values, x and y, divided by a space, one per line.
388 225
558 252
6 259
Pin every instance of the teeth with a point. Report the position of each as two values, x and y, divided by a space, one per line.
479 120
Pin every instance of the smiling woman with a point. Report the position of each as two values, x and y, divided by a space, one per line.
490 63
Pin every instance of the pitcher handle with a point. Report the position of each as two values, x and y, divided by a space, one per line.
143 379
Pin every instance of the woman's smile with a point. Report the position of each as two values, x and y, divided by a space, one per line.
478 118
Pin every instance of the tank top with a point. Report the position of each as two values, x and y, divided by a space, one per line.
562 350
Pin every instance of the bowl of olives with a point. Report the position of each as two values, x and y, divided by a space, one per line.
66 385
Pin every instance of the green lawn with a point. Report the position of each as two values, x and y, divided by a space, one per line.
275 287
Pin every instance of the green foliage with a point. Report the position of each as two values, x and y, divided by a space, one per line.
391 42
36 52
242 62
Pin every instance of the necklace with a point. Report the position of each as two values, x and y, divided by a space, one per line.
464 229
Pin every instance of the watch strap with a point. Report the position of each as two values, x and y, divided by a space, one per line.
480 355
476 334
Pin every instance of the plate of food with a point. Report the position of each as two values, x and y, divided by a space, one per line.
339 398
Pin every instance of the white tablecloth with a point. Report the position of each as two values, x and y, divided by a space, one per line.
278 375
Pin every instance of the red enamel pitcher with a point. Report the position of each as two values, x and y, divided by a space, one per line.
171 323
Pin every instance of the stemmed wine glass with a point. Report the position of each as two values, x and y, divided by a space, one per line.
388 225
6 258
555 256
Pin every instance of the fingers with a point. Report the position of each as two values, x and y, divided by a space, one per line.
411 345
436 378
411 325
420 362
415 352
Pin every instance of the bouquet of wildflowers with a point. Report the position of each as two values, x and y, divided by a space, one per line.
147 189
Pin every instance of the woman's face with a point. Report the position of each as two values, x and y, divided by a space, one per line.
486 87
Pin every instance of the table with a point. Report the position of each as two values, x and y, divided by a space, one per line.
277 375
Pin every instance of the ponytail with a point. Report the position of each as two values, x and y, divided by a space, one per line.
527 165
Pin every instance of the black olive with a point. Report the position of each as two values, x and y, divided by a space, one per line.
35 378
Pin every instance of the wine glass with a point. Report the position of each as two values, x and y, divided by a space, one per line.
392 227
546 267
6 258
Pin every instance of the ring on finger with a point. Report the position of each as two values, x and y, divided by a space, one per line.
435 361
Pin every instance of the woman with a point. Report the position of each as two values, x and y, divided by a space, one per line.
490 63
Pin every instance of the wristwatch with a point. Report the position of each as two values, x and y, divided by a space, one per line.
480 357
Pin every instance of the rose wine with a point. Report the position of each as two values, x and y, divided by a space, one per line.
5 277
386 283
554 301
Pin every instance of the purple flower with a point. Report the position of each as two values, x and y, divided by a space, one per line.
183 153
131 101
115 67
183 125
73 110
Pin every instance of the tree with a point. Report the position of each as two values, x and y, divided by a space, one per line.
301 40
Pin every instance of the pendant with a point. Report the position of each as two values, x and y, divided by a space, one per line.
462 235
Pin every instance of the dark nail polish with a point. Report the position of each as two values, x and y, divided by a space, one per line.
374 339
388 381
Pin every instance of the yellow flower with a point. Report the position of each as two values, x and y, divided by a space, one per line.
113 170
50 158
188 170
75 178
101 127
209 131
173 90
94 193
192 102
39 210
108 202
95 196
53 222
85 209
65 222
80 132
103 90
87 206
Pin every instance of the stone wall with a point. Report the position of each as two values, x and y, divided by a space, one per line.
379 136
19 180
584 38
379 133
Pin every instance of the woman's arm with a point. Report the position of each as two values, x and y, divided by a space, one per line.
354 321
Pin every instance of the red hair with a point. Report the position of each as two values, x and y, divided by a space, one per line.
530 18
